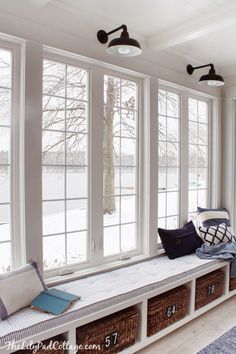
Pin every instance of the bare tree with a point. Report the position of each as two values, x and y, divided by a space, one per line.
109 204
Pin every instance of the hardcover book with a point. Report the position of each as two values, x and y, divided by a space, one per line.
54 301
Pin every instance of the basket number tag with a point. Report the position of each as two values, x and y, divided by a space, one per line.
170 311
111 340
210 290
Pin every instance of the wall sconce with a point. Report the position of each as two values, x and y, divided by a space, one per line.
123 46
211 79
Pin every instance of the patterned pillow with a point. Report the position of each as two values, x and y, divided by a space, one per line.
213 235
210 217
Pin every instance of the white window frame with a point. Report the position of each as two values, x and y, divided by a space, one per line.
171 89
138 138
28 200
16 47
68 61
97 70
213 155
210 133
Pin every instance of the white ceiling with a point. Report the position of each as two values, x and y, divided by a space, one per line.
200 31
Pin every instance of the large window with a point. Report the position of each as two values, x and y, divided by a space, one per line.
65 164
6 160
120 165
105 187
168 159
198 155
183 169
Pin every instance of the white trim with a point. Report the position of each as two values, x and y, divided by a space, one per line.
16 201
88 62
32 152
97 70
188 90
214 124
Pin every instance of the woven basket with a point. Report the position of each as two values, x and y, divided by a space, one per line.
112 333
232 284
59 339
167 308
208 288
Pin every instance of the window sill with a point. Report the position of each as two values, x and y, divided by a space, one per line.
60 279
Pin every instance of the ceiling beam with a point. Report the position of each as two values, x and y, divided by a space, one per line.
193 29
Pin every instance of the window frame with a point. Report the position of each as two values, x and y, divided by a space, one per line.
27 207
138 211
16 47
96 71
213 131
180 133
209 103
62 59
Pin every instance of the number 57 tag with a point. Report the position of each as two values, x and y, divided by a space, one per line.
111 340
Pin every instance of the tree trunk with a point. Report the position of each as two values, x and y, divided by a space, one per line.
109 205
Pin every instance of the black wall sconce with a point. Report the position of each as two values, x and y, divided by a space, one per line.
211 79
123 46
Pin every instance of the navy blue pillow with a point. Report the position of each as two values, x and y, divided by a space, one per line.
211 217
180 242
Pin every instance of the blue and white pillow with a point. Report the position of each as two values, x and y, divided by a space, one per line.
211 217
216 234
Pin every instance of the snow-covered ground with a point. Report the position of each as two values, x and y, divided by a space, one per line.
116 238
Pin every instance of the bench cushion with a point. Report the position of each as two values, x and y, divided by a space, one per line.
101 291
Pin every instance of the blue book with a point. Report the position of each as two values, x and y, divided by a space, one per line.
54 301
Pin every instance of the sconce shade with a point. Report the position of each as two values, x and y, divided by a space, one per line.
211 79
123 46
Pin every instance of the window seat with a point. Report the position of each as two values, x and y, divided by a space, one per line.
101 291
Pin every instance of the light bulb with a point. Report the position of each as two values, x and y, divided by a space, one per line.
124 50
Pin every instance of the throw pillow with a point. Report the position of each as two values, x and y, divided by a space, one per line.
19 287
216 234
210 217
180 242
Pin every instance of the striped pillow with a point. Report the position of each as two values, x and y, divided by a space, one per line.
19 287
211 217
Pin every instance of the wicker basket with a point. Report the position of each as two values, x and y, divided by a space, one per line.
167 308
111 334
57 350
232 284
208 288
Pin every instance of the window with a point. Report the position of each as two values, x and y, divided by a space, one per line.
198 155
120 165
65 164
168 159
6 160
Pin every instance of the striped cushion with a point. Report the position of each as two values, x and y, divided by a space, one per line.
211 217
19 287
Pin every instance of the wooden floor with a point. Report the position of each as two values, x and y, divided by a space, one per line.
198 333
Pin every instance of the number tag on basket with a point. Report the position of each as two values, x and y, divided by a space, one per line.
210 290
111 339
170 311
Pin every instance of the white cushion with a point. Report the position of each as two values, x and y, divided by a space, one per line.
216 234
18 288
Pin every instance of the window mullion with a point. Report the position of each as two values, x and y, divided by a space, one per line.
150 144
96 163
184 158
33 145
